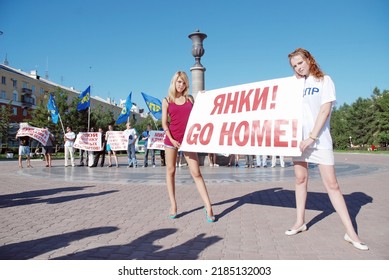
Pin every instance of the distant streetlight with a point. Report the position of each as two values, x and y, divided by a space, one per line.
198 69
351 144
197 46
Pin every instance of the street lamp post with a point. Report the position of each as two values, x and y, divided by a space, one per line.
198 69
351 144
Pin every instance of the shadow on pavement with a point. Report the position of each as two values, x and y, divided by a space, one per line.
286 198
144 248
32 248
33 197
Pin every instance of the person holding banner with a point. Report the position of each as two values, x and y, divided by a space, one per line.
101 152
176 108
109 150
24 150
162 152
48 148
84 153
316 146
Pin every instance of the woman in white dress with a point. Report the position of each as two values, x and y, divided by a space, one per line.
316 146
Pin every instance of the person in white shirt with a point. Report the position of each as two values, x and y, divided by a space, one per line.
131 136
69 138
316 146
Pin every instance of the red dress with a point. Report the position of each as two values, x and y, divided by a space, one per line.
179 116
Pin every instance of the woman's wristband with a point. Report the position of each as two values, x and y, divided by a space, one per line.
313 138
166 129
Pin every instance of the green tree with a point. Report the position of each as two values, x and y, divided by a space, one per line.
77 120
5 117
100 118
340 130
41 117
361 121
381 104
142 125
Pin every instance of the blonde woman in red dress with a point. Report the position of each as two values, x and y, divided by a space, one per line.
176 108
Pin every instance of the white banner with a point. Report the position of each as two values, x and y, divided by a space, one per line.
117 140
155 140
262 118
39 134
88 141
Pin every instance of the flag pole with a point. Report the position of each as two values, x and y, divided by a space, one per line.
155 123
89 118
89 109
63 129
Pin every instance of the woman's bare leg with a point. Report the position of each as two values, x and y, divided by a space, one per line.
170 161
193 163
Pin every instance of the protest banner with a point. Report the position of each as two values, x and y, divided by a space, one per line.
155 141
117 140
88 141
39 134
262 118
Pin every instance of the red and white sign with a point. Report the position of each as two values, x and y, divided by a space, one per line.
117 140
262 118
155 140
39 134
88 141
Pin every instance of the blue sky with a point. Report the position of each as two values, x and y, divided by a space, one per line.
120 46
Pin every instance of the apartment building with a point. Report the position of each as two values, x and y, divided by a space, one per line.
25 91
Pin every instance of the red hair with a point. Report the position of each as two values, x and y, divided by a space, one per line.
306 55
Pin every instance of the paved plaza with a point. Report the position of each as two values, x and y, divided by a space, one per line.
122 213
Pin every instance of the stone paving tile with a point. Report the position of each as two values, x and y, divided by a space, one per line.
82 213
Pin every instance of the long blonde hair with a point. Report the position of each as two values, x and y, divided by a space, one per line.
172 87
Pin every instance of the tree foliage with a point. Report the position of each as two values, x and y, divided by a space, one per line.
5 116
363 123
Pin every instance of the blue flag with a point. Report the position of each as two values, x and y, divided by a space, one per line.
84 100
126 111
154 105
53 109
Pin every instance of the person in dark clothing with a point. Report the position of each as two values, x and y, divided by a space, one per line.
101 152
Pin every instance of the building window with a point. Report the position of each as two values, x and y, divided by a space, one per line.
24 112
3 94
15 96
14 83
25 85
33 89
14 111
3 79
41 91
